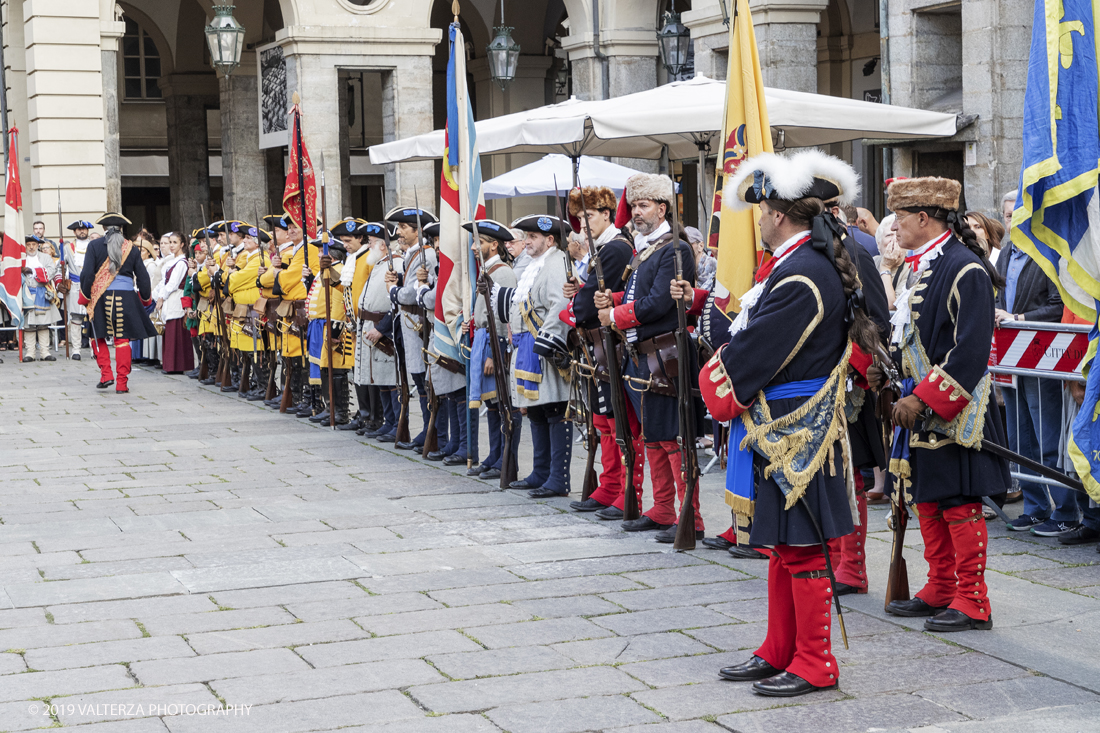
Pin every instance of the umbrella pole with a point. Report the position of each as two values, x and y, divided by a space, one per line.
703 180
576 169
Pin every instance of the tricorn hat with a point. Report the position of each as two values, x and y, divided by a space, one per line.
410 215
913 193
277 221
372 229
348 228
541 224
113 220
431 230
79 224
34 238
650 186
808 174
489 228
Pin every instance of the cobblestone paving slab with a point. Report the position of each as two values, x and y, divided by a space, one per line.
185 548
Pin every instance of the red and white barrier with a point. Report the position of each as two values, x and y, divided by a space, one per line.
1022 348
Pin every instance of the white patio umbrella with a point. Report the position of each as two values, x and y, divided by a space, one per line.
684 116
537 179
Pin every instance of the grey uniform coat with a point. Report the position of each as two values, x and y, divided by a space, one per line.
407 295
372 366
543 304
443 380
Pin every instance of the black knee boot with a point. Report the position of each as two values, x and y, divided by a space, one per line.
322 398
363 412
261 364
341 396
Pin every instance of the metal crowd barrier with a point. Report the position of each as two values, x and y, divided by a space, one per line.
1046 351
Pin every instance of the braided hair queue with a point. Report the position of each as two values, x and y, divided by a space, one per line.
959 226
861 329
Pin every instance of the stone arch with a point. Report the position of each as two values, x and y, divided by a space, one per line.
164 48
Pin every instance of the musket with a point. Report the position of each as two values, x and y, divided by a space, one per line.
269 356
326 278
223 342
591 481
689 459
897 580
624 437
288 393
431 430
402 434
64 275
508 468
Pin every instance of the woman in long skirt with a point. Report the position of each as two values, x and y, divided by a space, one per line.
178 356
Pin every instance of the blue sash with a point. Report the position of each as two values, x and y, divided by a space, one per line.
315 339
528 372
74 277
482 387
121 282
739 477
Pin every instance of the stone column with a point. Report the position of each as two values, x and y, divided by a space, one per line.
65 107
711 38
186 99
110 32
407 111
244 168
786 36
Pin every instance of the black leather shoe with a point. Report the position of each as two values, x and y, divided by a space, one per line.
544 493
786 684
745 553
51 357
643 524
353 425
668 536
386 438
489 474
475 471
193 374
754 669
718 543
320 417
843 589
28 359
435 455
453 460
207 382
76 357
913 608
1080 535
522 484
254 396
610 513
588 505
105 385
230 388
402 446
954 620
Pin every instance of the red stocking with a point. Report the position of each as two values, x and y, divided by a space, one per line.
970 540
939 591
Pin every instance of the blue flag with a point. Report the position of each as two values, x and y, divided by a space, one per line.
1057 216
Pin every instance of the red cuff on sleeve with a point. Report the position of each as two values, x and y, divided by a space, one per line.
567 316
145 302
943 394
624 318
186 301
617 298
82 299
40 275
698 300
717 390
860 362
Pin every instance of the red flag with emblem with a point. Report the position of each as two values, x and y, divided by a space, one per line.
14 251
300 193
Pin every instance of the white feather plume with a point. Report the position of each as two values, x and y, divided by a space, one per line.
792 176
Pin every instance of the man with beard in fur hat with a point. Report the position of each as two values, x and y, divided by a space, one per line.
943 324
645 314
594 207
781 379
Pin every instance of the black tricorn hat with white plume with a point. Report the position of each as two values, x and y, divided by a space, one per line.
807 174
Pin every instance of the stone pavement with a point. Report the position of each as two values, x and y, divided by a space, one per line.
175 551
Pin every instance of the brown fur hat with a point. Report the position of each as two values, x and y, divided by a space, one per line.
650 186
912 193
597 197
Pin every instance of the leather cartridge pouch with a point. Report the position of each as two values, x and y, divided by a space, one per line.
660 354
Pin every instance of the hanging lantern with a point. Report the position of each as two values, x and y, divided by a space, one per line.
503 55
225 37
674 40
